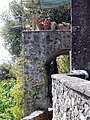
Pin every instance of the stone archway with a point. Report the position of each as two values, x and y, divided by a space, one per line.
51 68
40 47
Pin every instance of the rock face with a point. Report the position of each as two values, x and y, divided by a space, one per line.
71 98
40 48
81 34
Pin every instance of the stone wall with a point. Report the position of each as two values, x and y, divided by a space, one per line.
71 98
81 34
41 47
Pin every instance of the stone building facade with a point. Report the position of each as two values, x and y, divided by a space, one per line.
40 48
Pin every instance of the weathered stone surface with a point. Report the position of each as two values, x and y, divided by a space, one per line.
71 98
40 48
81 34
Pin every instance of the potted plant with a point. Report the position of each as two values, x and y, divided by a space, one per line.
39 24
47 24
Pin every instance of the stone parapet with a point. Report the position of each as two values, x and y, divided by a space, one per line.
71 98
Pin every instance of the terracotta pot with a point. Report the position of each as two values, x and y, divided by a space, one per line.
39 26
60 27
46 26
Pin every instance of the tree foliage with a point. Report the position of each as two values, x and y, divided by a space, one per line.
20 15
11 31
6 72
58 15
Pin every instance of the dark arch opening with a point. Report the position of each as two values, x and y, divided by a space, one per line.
51 68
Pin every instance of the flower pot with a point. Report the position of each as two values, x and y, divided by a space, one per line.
46 27
39 26
53 25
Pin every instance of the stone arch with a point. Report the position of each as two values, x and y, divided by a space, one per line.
51 56
51 59
40 47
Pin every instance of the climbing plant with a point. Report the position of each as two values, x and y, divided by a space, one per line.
34 92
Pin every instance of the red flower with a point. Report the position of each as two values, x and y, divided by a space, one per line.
47 21
37 21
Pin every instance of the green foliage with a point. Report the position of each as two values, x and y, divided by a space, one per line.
35 87
11 31
12 37
6 71
16 10
32 92
11 91
59 14
63 63
18 91
20 15
6 100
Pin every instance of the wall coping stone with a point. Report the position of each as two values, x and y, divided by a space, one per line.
40 115
46 31
33 115
74 83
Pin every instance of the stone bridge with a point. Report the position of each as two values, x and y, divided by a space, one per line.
40 48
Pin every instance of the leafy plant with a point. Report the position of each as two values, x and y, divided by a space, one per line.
18 91
11 91
6 100
35 92
63 63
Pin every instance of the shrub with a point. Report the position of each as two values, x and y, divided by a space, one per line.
17 91
6 100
